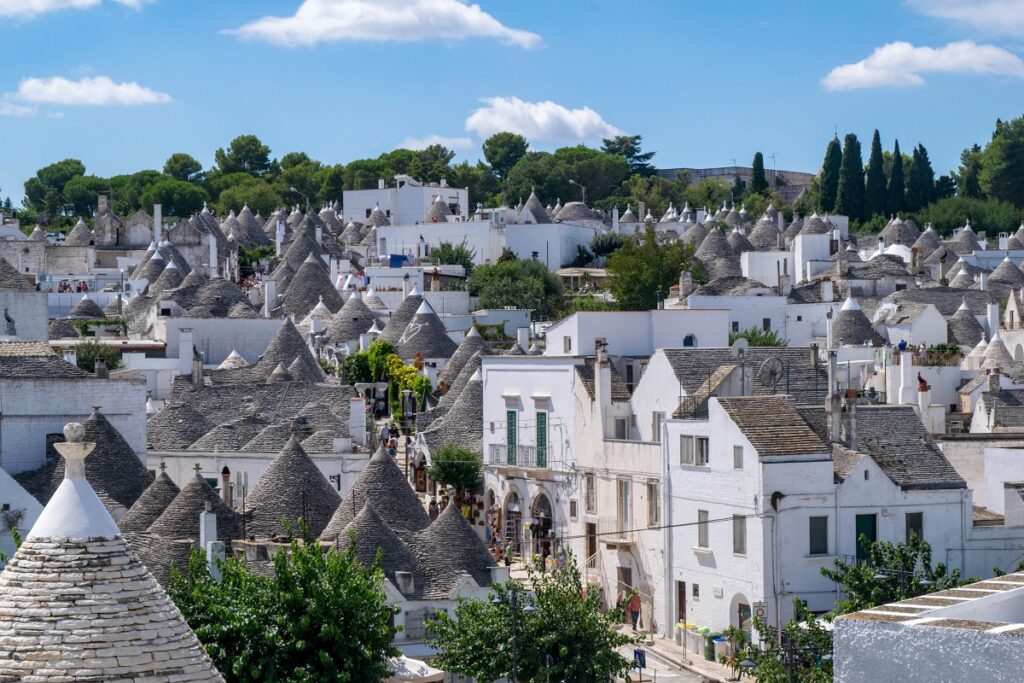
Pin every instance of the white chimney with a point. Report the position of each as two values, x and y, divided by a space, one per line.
380 183
269 297
406 583
827 292
782 222
278 237
214 265
357 420
992 313
615 219
523 337
983 285
334 269
185 351
158 223
319 234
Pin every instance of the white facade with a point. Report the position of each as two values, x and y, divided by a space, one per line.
637 333
405 201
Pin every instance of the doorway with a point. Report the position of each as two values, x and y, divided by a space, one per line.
866 525
625 583
681 602
591 545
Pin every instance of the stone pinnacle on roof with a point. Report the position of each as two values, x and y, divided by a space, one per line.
425 334
851 327
151 504
181 518
405 312
46 592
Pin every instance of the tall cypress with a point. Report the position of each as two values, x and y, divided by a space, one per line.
920 180
850 196
897 184
874 189
830 176
758 183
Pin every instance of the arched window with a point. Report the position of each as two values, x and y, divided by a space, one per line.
689 340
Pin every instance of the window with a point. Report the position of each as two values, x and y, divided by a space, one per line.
737 457
689 340
739 534
590 492
622 503
368 211
702 528
511 434
542 438
799 318
566 344
900 286
686 450
696 591
766 324
573 511
735 326
621 428
383 246
702 451
818 536
653 504
915 525
656 420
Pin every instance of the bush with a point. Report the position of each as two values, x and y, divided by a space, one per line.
88 352
990 215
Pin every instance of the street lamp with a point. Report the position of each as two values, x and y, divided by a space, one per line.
582 187
304 196
513 602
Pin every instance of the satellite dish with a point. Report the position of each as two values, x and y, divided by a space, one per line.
739 347
770 372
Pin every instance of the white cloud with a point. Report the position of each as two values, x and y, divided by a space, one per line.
424 142
319 21
8 108
902 64
538 120
26 9
998 16
94 91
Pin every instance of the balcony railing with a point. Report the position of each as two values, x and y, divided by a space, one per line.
519 456
615 530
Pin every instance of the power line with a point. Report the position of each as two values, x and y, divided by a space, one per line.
654 528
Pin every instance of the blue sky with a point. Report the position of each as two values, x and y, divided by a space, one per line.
122 84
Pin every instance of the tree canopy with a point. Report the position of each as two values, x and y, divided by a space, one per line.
646 266
458 467
628 147
830 176
850 194
503 151
520 283
1002 163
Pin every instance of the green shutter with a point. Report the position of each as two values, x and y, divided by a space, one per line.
542 439
511 429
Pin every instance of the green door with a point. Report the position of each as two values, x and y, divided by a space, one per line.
867 525
511 432
542 439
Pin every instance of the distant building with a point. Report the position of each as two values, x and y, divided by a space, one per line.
789 184
406 201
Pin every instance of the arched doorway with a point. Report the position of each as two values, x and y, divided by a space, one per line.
541 526
1018 353
512 524
740 613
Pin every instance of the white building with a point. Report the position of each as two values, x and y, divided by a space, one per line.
406 202
637 333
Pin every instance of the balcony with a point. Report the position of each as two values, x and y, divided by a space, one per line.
615 531
528 457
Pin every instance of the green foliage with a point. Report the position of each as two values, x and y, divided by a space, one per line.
758 183
1002 162
920 180
549 174
582 258
356 368
182 166
322 616
606 243
478 179
51 178
575 304
454 254
805 661
830 169
968 180
568 629
245 154
710 192
755 336
248 258
628 147
850 194
897 183
654 191
177 197
646 265
88 352
258 194
503 151
520 283
458 467
992 215
377 358
875 194
893 572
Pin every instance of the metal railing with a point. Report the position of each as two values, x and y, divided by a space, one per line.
519 456
615 530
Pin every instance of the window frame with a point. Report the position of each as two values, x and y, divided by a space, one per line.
687 449
702 457
737 457
653 502
739 535
590 493
920 527
812 520
703 530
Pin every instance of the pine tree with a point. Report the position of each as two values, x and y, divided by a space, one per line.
850 196
830 176
920 180
874 191
897 184
758 183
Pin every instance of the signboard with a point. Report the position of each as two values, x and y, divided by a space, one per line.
760 610
639 659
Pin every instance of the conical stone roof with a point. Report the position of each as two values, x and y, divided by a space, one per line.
464 552
284 348
405 312
62 328
374 302
86 309
37 235
292 487
111 622
181 518
151 504
373 535
851 327
534 206
425 334
1007 274
472 343
714 246
765 234
463 424
739 242
964 328
233 361
353 319
311 284
170 278
997 355
79 235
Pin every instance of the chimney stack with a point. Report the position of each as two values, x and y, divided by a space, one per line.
993 380
214 265
834 402
523 337
101 204
225 485
380 183
197 367
827 291
269 297
158 223
685 284
406 583
851 420
357 420
185 351
101 369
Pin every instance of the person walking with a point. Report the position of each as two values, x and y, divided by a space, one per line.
634 609
432 509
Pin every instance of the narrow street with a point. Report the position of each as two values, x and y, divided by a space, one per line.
659 670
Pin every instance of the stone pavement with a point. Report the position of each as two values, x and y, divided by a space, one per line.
699 668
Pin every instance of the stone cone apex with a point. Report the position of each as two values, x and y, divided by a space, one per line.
138 634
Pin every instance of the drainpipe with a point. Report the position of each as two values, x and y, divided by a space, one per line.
666 500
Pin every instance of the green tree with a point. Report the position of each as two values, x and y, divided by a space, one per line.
897 183
945 186
181 166
709 192
245 154
920 180
302 173
850 195
332 182
755 336
805 633
458 467
256 192
126 190
569 629
654 191
87 353
549 174
830 169
758 183
503 151
356 368
478 179
321 616
82 192
990 215
875 194
177 197
53 177
645 266
968 180
628 147
606 243
377 358
1002 163
454 254
520 283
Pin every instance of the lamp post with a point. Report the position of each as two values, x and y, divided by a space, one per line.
582 187
513 603
303 194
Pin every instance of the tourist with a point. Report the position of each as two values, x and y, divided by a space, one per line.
432 509
634 609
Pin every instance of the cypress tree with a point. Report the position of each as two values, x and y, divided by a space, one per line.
920 180
850 196
830 176
897 184
874 190
758 183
